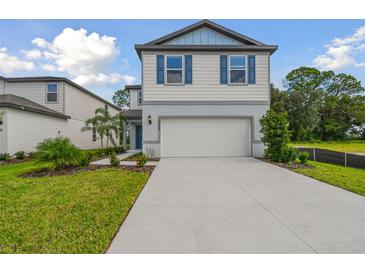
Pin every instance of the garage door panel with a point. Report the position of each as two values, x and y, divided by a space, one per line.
205 137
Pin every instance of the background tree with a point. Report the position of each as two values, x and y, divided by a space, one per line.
320 105
122 98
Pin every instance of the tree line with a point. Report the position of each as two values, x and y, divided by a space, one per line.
321 105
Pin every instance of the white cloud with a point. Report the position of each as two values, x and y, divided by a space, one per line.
9 63
32 54
341 52
77 53
358 36
48 67
360 65
101 78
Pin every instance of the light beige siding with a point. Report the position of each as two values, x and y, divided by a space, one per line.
134 99
206 80
36 92
80 105
2 86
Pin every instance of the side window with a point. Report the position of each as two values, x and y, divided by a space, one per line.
140 98
106 107
237 69
51 92
174 69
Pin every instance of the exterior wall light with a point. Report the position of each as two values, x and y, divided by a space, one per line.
149 119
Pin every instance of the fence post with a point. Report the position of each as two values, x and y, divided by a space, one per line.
345 159
314 154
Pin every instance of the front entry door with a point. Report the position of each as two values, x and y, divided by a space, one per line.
138 137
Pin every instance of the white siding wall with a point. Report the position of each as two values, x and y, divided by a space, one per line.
3 132
36 92
206 80
2 86
27 129
134 99
81 106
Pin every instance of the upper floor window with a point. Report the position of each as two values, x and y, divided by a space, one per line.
139 98
52 92
106 107
174 69
237 69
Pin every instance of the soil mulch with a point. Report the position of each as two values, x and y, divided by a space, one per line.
74 170
15 161
291 165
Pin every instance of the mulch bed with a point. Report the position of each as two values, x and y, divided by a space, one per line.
291 165
74 170
15 161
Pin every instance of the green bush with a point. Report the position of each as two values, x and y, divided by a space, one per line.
114 161
5 157
303 157
110 150
31 154
61 152
141 160
20 155
276 136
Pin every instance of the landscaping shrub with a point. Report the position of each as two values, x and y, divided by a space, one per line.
303 157
114 161
141 160
110 150
61 152
31 154
4 156
276 137
20 155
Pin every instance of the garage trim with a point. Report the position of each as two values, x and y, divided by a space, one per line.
251 117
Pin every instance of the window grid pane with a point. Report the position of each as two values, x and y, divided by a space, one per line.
52 88
174 62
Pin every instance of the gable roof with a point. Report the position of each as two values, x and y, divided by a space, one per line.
209 24
17 102
52 78
247 42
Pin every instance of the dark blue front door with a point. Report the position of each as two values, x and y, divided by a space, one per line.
138 137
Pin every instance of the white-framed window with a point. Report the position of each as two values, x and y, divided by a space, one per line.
139 97
52 92
174 69
238 69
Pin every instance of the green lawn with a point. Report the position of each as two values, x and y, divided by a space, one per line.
342 146
348 178
77 213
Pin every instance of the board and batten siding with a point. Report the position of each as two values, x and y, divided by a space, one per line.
206 80
36 92
80 105
133 104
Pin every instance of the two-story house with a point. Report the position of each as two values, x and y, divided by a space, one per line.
204 89
36 108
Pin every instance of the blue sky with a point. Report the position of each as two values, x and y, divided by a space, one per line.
106 64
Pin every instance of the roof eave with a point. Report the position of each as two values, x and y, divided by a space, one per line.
265 48
24 108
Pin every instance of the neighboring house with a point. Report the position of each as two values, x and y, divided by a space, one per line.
37 108
204 90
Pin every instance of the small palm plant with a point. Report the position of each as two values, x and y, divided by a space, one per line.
106 126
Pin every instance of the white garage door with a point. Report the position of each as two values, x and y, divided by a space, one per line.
205 137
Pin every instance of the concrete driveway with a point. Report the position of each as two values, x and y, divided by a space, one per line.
240 205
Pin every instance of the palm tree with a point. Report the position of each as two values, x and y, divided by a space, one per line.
105 125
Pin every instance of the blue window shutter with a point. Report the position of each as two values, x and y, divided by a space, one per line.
188 69
160 64
223 69
251 69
